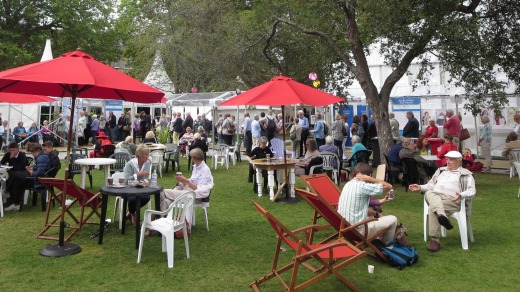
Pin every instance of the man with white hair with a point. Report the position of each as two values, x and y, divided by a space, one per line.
443 194
304 122
329 145
94 128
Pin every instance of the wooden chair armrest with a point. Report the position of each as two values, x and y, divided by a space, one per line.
329 246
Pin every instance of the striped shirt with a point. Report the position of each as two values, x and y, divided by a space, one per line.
354 199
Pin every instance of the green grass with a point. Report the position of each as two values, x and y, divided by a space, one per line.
239 247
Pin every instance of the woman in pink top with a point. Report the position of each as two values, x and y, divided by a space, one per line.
445 148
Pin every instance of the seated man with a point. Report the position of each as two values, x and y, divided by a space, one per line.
257 153
18 161
512 142
18 180
201 182
355 198
443 193
393 154
409 151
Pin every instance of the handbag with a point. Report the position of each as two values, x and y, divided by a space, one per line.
464 134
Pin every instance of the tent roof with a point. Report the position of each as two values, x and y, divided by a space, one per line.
200 99
159 79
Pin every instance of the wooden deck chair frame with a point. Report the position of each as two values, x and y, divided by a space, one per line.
82 197
341 226
332 256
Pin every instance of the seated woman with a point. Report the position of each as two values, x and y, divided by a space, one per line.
356 146
46 132
199 143
445 148
262 151
149 138
102 139
202 132
423 145
34 135
19 133
184 140
309 160
137 168
512 142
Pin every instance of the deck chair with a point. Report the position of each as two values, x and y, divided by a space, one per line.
341 226
332 256
88 203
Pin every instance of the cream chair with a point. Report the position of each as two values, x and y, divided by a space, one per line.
3 179
514 155
331 163
157 161
462 218
175 220
221 155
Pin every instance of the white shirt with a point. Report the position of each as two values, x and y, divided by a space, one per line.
201 176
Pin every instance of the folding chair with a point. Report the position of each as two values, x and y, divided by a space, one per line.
332 256
84 198
340 225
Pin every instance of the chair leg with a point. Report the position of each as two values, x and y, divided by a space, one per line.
170 242
425 220
206 215
186 243
141 241
43 199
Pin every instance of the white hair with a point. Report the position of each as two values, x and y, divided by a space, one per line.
355 139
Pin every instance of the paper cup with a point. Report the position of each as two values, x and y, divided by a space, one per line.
370 269
110 181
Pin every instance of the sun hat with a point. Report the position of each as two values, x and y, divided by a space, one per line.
101 135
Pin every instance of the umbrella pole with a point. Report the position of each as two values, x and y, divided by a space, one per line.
63 248
288 199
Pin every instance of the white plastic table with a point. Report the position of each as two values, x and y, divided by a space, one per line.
87 162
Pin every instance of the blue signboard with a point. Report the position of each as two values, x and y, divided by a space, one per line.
403 104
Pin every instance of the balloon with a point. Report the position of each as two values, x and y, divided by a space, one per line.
313 76
316 83
194 90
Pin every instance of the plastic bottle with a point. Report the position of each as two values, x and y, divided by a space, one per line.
154 179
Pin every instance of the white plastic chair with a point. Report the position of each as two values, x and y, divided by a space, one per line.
277 147
234 152
203 204
514 155
220 155
329 159
462 218
118 203
3 179
516 165
157 161
175 220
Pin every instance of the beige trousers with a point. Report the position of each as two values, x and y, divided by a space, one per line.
439 204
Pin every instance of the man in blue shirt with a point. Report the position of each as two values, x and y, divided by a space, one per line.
248 139
304 122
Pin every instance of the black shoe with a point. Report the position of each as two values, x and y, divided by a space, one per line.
444 221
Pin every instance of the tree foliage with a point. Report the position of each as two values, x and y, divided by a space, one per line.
25 24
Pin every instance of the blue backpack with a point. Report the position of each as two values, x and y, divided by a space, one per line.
400 255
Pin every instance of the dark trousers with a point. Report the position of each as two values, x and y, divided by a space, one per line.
16 185
339 144
248 142
228 139
305 134
132 203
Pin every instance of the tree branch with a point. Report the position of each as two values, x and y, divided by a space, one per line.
323 36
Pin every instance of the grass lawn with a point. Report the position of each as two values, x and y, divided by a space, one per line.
239 247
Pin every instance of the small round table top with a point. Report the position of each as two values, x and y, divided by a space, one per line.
129 191
95 161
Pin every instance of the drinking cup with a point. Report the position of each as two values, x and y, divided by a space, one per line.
370 269
110 181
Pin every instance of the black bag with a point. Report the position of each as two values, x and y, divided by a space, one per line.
271 124
231 128
325 128
55 164
343 130
400 255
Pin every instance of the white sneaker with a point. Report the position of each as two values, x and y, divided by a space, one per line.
13 207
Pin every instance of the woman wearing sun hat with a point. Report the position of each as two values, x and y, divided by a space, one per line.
101 140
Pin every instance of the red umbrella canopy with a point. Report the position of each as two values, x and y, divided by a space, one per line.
18 98
77 74
281 91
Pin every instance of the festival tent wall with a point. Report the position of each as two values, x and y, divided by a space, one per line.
435 97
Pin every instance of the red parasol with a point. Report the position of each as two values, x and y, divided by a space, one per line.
282 91
75 74
17 98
